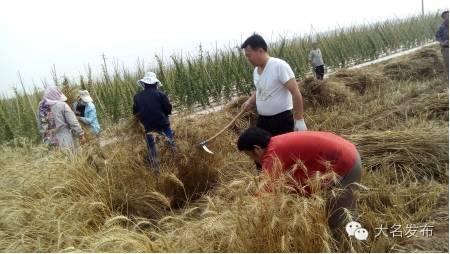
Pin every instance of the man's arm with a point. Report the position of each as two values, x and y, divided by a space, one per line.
135 108
250 103
440 35
167 107
310 58
90 114
297 98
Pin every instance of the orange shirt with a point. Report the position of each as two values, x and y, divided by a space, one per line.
317 151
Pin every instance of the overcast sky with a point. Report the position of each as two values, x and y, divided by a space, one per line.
35 35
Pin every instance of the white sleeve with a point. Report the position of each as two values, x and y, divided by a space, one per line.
255 78
285 72
310 56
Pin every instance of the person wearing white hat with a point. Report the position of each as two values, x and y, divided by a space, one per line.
86 112
152 107
149 79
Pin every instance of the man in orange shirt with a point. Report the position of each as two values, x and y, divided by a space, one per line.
303 155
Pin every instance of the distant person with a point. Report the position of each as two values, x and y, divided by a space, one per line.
442 38
57 122
277 92
152 107
316 61
86 113
303 155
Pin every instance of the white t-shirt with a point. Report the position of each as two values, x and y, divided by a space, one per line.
272 97
315 56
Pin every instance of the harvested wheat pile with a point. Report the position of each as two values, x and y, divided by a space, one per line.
196 169
190 172
324 92
236 221
120 172
424 64
120 180
431 106
434 106
233 220
418 153
359 80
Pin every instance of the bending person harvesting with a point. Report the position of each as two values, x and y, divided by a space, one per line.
303 155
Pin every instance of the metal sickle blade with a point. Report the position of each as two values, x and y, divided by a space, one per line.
206 149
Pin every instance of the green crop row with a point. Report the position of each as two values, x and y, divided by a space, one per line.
215 76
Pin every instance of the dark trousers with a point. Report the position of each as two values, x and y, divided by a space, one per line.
276 125
320 71
344 200
151 145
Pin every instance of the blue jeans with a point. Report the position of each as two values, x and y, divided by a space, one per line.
151 145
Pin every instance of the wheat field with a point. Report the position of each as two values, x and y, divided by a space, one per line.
105 199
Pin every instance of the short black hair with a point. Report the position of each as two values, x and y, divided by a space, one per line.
443 13
255 41
148 85
251 137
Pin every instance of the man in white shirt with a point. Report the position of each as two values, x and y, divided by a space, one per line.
315 58
277 92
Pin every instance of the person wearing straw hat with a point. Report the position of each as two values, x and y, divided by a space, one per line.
86 112
152 107
442 38
56 121
300 156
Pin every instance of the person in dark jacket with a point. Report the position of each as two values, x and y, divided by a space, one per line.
152 107
442 38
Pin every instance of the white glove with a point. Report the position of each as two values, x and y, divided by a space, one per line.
300 125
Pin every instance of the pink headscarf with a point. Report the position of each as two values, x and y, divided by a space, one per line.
53 95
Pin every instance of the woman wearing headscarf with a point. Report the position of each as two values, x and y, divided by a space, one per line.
56 121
